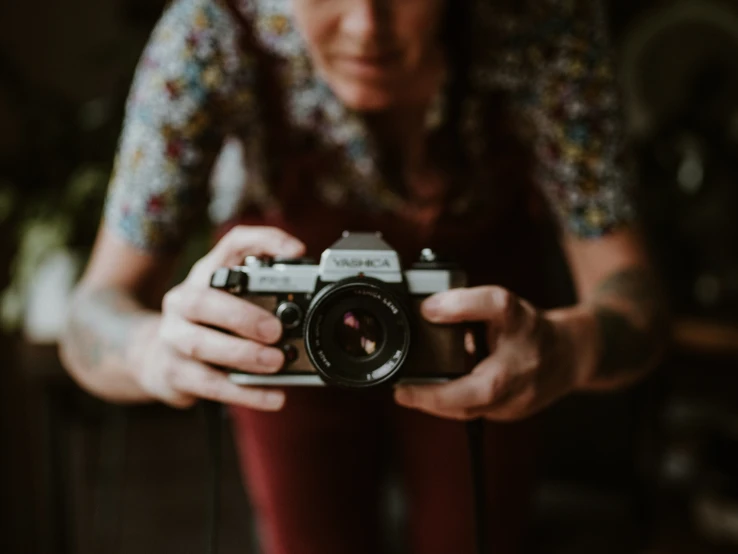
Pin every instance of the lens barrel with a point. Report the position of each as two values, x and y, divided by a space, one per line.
357 332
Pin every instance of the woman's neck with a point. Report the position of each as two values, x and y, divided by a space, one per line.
400 133
401 129
402 142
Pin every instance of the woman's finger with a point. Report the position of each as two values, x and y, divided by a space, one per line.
470 391
197 379
225 311
491 304
242 241
218 348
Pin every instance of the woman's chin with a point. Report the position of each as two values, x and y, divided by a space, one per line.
364 97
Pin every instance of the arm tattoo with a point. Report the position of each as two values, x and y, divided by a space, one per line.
99 328
632 319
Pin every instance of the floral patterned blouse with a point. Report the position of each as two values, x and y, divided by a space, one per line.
196 89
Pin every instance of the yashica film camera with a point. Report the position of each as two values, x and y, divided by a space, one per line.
353 320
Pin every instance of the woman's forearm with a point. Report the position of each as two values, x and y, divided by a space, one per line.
106 339
619 334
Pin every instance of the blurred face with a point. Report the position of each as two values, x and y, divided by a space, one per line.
374 54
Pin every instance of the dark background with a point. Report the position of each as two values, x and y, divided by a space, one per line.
653 469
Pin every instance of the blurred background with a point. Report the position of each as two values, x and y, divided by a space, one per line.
654 469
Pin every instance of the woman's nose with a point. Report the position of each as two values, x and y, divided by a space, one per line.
362 19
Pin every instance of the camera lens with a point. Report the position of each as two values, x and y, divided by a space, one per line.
359 334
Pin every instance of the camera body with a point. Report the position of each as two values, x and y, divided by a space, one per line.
353 320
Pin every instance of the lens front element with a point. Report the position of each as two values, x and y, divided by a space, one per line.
359 334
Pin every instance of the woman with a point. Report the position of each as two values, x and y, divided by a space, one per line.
442 124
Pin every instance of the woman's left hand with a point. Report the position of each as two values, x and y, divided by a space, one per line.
531 362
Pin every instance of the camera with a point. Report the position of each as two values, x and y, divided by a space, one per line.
353 320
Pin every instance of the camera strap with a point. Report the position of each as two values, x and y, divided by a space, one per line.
475 440
212 412
475 437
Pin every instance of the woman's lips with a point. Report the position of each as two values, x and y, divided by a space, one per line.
369 67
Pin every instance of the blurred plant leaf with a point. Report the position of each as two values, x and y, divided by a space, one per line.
87 184
38 238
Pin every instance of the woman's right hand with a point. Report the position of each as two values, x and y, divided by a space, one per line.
189 343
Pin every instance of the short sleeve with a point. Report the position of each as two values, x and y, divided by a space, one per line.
174 125
576 104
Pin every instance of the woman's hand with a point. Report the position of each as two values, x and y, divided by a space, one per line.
531 361
202 327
